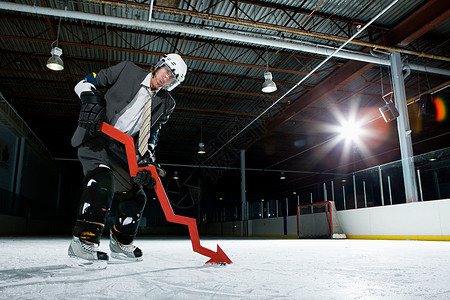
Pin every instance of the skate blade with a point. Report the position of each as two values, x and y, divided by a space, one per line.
123 258
79 263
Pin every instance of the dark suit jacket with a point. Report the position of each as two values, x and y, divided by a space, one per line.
122 82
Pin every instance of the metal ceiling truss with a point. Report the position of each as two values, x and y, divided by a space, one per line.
350 24
211 33
305 22
352 69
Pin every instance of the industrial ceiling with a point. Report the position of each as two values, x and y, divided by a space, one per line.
228 45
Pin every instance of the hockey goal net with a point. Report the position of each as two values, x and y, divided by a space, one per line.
318 220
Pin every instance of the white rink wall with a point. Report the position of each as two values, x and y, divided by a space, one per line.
428 220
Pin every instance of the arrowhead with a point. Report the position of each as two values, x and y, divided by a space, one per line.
219 257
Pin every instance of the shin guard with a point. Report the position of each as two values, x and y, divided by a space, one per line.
95 204
130 211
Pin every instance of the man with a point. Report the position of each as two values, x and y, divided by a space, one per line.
138 103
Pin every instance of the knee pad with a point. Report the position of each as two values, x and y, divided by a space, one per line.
131 207
95 204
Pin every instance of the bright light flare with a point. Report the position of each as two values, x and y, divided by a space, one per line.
358 132
441 109
354 134
350 131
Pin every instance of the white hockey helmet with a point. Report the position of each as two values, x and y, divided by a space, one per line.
178 67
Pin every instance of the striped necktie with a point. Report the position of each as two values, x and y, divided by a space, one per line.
144 133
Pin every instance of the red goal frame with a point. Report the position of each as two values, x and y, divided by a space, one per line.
328 214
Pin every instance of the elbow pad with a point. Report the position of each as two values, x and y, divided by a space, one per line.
84 86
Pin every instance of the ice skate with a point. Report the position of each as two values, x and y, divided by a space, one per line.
124 252
84 254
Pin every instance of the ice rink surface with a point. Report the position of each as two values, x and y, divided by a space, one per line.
34 268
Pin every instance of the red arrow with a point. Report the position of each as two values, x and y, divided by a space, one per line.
217 257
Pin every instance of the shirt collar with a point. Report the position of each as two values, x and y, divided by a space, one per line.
146 82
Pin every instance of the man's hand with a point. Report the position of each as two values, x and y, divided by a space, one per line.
148 158
144 178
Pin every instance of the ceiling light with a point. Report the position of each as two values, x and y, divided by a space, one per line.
268 86
350 130
175 175
201 145
55 62
201 148
427 107
389 112
282 176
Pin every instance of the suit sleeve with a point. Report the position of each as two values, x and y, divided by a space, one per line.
107 77
154 132
104 79
168 111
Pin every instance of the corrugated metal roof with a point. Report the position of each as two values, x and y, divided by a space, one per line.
222 90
